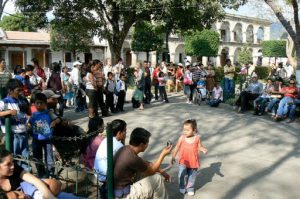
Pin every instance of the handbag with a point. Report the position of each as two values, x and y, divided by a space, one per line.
187 81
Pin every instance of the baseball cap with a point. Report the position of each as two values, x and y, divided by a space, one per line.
77 63
50 94
179 64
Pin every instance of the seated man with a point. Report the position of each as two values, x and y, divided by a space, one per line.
260 103
252 92
127 164
217 96
276 94
292 113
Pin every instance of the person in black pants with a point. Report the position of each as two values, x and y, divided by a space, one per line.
148 94
121 92
109 91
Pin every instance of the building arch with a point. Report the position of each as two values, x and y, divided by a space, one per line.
250 34
236 56
224 55
238 33
180 53
260 34
225 31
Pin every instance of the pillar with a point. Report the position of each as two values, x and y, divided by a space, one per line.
232 36
44 57
23 57
134 58
204 60
218 60
172 57
153 59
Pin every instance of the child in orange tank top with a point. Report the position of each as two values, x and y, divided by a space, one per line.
189 145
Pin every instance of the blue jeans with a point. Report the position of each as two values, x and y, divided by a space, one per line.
20 144
284 105
271 105
228 86
187 178
293 109
37 147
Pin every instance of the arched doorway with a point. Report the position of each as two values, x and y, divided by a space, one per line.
260 34
224 56
238 33
249 34
179 54
225 31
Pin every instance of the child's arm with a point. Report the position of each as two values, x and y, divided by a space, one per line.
55 122
202 148
175 151
8 112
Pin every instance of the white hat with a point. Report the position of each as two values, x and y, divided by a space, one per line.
77 63
179 64
254 75
187 64
50 94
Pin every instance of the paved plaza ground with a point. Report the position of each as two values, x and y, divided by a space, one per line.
249 156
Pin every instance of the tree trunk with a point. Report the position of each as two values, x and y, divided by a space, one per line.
115 49
147 53
297 48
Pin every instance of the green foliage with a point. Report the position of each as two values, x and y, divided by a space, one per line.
114 18
274 48
72 31
204 43
17 22
262 71
245 56
146 38
219 73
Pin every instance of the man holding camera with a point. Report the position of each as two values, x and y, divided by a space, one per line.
127 164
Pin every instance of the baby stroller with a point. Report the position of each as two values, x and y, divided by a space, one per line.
201 93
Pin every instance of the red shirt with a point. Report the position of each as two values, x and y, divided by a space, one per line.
188 153
291 91
41 73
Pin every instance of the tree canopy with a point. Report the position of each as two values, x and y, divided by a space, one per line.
274 48
146 38
202 43
245 56
114 18
16 22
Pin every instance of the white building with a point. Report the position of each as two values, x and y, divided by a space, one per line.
18 48
235 32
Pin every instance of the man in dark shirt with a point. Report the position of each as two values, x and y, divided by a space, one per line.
147 73
127 164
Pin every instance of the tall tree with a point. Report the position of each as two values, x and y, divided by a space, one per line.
293 28
16 22
245 55
2 6
116 17
73 30
146 38
202 43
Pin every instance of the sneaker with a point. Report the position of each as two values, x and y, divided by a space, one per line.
191 193
290 121
182 191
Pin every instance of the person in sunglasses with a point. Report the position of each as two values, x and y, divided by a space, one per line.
285 104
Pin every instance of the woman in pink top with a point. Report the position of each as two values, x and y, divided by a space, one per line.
89 149
189 145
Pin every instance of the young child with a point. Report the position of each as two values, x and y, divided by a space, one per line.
10 106
42 124
162 86
217 95
121 92
110 89
189 145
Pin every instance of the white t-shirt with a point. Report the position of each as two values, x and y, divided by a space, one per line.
289 70
218 93
100 164
88 83
74 75
35 80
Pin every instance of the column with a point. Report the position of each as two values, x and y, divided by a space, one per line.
134 58
204 60
232 36
153 58
44 57
255 38
172 57
218 60
23 56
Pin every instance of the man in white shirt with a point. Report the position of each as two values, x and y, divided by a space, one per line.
118 128
75 75
117 69
289 70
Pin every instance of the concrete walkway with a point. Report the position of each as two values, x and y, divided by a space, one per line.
249 156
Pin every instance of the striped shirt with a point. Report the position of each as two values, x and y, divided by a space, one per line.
18 123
